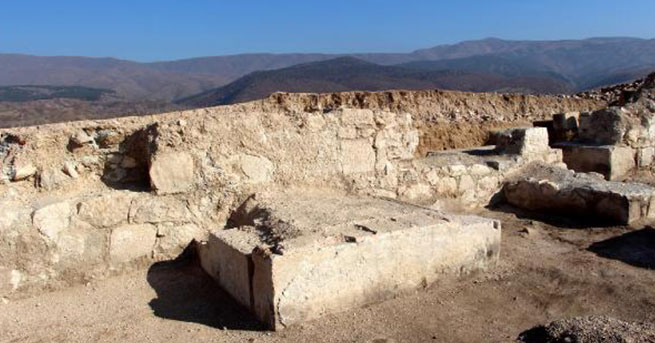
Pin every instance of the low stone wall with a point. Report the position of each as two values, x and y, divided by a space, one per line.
86 199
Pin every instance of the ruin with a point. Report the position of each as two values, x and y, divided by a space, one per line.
291 198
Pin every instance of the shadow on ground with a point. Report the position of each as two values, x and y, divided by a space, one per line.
186 293
564 221
636 248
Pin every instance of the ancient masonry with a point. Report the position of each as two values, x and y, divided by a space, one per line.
302 205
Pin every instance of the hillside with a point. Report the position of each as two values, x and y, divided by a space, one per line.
584 63
349 73
30 93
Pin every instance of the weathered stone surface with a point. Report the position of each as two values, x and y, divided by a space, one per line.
52 219
171 172
257 169
106 210
614 162
70 168
604 127
158 209
319 253
524 141
22 171
80 245
52 178
357 156
546 188
130 242
173 238
645 156
81 138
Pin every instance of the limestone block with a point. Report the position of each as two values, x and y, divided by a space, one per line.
417 192
613 162
565 192
324 253
173 238
357 156
524 141
359 118
257 169
105 210
52 219
171 172
52 178
604 127
645 156
130 242
80 246
456 170
447 186
466 183
158 209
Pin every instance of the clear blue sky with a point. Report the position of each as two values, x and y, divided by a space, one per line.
148 30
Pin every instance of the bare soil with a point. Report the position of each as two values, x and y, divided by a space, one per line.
550 268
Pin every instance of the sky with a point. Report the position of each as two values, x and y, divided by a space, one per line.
149 30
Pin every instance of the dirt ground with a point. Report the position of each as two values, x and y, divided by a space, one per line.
550 268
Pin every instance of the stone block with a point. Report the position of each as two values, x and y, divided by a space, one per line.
171 172
257 169
611 161
53 218
306 255
105 210
645 156
158 209
129 242
603 127
550 189
523 141
357 156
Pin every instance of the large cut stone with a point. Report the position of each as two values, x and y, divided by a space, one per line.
105 210
130 242
357 156
550 189
613 162
297 256
524 141
171 172
52 218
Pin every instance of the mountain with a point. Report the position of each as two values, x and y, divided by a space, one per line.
131 80
584 63
349 73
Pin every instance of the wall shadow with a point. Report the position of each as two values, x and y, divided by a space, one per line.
186 293
636 248
564 221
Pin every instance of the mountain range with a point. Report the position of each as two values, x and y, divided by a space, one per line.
491 64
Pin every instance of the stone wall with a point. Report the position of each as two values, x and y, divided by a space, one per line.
86 199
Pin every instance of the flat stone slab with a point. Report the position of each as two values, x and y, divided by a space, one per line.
294 256
546 188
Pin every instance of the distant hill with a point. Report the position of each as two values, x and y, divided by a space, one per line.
349 73
584 63
30 93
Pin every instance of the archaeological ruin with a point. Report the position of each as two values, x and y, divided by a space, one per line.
301 205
